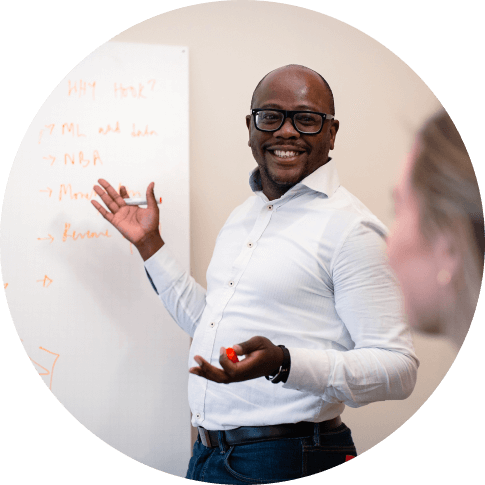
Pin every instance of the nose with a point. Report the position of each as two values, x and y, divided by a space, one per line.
287 130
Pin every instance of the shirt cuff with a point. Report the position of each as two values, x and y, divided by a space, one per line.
309 371
163 269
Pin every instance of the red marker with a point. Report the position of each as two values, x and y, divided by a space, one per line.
231 355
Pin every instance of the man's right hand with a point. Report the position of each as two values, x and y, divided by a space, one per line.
139 226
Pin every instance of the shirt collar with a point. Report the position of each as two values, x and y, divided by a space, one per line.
324 179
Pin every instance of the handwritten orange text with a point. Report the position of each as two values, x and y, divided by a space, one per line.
146 132
88 234
69 128
80 89
71 159
108 129
131 193
65 190
49 127
122 92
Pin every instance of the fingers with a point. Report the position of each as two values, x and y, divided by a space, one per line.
249 368
236 371
107 215
262 357
151 201
111 198
226 363
238 349
254 343
209 371
124 192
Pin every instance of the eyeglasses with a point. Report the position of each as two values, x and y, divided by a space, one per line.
305 122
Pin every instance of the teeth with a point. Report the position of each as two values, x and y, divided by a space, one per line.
282 154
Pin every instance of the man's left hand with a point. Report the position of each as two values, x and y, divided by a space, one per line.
262 358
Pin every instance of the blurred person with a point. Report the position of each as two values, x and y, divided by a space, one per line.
436 245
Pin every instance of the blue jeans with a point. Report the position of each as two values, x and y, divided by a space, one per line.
270 461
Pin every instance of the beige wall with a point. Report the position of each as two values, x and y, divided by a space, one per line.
380 102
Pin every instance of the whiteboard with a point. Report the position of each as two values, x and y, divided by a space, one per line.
88 318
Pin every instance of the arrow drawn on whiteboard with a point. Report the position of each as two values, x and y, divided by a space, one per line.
43 371
45 284
48 190
47 372
44 238
50 157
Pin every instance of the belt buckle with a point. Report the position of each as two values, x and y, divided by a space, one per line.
204 437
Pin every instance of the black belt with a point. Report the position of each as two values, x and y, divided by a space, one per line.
250 434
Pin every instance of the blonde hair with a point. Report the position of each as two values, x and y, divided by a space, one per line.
449 199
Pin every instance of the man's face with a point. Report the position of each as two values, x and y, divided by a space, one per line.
291 89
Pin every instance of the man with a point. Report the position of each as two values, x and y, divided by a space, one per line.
299 278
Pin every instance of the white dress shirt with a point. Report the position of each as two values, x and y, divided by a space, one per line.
309 271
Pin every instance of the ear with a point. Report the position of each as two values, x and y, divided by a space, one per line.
447 253
248 124
333 133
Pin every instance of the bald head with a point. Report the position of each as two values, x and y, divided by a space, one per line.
295 68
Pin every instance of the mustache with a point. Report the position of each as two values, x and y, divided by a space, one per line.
285 146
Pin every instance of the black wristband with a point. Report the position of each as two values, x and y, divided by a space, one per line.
284 370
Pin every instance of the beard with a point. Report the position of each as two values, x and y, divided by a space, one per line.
281 185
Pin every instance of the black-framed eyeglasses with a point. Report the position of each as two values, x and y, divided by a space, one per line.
305 122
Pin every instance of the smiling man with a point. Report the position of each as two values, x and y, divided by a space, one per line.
299 282
288 150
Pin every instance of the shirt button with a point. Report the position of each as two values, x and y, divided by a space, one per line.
213 324
231 283
270 207
197 415
250 244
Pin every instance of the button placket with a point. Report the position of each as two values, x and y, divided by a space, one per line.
210 333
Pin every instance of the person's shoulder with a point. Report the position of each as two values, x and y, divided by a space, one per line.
355 212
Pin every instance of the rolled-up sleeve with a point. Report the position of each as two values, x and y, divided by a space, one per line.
382 364
181 295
